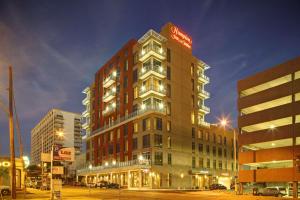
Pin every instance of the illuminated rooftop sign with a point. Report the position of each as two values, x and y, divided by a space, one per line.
181 37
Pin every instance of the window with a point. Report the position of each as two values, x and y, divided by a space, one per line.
208 163
146 124
118 133
220 164
126 65
214 138
125 83
168 73
193 84
168 108
110 148
225 153
134 107
193 117
193 162
214 151
169 179
193 132
193 101
192 69
125 130
118 147
146 155
219 139
215 164
207 136
168 90
225 141
200 134
146 141
158 123
158 158
220 152
193 146
135 93
158 140
207 149
126 145
134 143
200 162
200 148
135 75
135 127
125 98
169 159
168 126
168 55
169 142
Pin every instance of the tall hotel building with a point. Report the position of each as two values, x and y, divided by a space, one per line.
56 127
148 127
269 124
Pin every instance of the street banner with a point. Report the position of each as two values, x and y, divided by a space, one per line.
61 153
45 157
58 170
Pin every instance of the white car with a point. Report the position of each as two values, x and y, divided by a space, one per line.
5 190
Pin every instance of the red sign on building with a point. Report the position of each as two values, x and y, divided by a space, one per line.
181 37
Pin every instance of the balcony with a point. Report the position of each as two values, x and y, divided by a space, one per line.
202 78
109 109
204 124
85 101
111 79
144 110
155 70
85 113
152 89
152 50
109 95
204 109
203 94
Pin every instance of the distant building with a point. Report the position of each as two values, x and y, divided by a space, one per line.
56 127
147 124
269 124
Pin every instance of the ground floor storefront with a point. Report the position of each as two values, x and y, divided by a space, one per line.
146 176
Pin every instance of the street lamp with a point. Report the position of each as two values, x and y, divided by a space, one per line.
224 122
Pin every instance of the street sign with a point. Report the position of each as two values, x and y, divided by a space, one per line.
58 170
45 157
61 153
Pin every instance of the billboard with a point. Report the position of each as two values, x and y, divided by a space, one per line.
61 153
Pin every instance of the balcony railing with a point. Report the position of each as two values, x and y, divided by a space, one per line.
204 93
108 81
130 117
203 123
152 50
131 163
109 95
85 113
152 89
85 125
204 109
203 78
109 109
85 101
156 70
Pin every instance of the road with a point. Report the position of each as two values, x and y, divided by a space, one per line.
74 193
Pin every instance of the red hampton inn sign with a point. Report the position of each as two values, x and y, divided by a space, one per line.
181 37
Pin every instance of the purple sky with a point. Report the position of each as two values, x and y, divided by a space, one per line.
56 47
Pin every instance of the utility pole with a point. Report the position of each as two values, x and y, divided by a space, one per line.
11 134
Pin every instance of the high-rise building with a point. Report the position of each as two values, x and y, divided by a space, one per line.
56 127
269 124
148 108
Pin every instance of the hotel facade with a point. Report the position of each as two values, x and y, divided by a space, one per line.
147 118
269 125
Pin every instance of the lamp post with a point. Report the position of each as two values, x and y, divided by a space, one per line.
225 123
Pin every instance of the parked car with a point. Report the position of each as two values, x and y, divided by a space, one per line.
92 185
217 187
113 186
102 184
272 191
5 190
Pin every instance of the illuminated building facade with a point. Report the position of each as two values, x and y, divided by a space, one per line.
269 123
148 117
